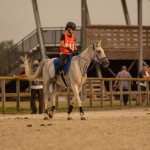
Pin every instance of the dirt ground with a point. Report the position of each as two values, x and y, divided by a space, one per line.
123 129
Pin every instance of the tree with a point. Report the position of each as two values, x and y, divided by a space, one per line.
5 45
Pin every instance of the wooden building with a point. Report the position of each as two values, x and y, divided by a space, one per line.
120 42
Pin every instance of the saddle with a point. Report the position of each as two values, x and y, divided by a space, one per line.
65 69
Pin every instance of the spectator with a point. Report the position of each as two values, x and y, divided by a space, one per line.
36 88
143 74
148 71
123 74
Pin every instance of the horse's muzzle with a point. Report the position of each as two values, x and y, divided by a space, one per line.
105 63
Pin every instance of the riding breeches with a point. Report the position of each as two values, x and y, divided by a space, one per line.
62 62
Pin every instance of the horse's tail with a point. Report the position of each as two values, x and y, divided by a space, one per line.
27 65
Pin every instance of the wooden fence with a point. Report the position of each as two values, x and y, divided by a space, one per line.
99 91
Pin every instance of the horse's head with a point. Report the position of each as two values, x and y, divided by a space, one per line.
100 56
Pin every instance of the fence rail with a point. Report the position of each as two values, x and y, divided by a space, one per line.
109 91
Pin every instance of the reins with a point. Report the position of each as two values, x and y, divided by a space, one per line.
93 60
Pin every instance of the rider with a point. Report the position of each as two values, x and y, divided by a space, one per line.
67 46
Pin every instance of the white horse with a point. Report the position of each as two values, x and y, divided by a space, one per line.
76 75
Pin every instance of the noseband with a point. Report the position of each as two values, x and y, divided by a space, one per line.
96 55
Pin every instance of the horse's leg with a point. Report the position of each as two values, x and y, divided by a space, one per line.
45 94
57 89
71 107
76 91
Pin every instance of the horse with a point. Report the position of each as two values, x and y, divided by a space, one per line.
76 76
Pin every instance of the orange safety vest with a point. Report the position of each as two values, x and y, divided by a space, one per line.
69 42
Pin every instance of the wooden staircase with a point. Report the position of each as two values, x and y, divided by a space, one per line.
96 90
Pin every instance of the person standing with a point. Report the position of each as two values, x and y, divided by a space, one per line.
123 74
36 89
144 73
67 46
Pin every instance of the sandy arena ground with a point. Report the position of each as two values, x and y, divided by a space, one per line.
123 129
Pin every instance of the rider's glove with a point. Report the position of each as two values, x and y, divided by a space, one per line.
69 49
76 52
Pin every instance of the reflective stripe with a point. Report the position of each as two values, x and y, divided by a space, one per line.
37 87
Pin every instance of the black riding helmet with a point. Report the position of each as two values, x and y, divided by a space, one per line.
71 25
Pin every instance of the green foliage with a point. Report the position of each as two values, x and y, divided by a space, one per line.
6 45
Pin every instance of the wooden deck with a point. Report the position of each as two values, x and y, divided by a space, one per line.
120 42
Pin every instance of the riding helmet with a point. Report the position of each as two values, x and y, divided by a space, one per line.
71 25
36 63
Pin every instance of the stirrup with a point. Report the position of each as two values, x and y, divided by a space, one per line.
54 79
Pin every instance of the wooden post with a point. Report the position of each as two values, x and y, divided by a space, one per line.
130 95
140 34
139 95
91 93
83 5
3 96
83 21
111 92
18 94
39 29
102 94
121 92
126 14
147 89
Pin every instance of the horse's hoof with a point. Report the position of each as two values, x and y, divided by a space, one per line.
46 111
83 118
46 118
50 115
69 118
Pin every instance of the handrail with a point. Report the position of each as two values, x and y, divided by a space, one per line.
119 79
34 31
10 59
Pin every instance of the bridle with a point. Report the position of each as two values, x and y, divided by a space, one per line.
93 60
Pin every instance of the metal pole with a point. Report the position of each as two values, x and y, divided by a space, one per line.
88 20
126 14
98 70
39 29
140 34
83 24
83 5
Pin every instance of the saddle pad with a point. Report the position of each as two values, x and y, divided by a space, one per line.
66 67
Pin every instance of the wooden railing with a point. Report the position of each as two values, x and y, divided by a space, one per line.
101 93
111 92
18 93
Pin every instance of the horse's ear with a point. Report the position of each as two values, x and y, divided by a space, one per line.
99 43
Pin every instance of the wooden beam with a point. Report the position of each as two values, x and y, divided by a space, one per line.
126 14
111 71
140 34
83 4
133 62
88 20
39 29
